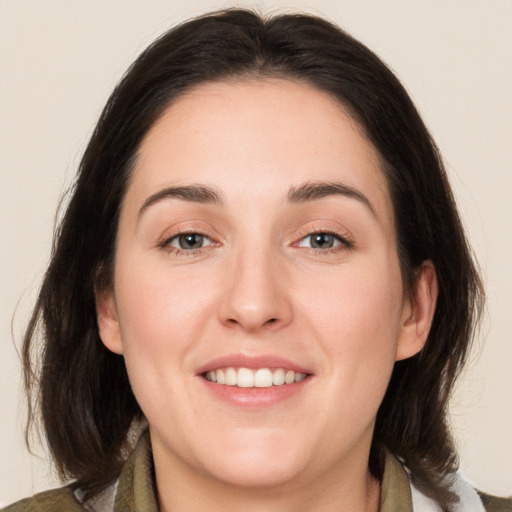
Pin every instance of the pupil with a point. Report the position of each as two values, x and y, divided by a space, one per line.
191 241
322 240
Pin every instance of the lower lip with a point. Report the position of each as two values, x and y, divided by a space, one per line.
255 398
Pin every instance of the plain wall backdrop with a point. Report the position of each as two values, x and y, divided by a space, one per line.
59 60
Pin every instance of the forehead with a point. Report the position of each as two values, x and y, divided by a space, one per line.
255 138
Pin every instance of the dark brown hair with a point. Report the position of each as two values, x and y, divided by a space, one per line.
82 389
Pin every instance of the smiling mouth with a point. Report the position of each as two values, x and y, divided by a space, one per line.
260 378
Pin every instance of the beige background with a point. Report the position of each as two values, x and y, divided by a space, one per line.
59 60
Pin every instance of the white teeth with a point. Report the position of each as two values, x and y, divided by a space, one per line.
231 377
289 377
261 378
245 378
278 377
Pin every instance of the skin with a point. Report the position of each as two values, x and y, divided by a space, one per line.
257 286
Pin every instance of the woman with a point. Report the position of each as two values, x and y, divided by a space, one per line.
261 282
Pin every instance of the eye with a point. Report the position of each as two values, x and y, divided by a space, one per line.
322 241
188 241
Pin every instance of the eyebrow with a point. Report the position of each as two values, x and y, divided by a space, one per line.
312 191
192 193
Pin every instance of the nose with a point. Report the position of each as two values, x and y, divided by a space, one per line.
256 295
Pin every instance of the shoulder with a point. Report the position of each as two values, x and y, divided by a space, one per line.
49 501
495 504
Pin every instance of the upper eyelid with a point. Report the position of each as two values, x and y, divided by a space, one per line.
329 226
183 228
310 228
294 235
325 232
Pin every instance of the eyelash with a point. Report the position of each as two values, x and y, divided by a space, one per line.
165 244
344 243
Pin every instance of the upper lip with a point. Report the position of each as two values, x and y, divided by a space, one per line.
252 362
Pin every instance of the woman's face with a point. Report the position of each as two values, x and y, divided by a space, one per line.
257 245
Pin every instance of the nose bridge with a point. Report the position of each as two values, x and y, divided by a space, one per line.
255 296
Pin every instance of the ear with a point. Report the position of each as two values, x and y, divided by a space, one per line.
418 313
108 323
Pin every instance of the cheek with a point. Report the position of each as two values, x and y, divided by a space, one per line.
156 305
357 320
161 317
354 301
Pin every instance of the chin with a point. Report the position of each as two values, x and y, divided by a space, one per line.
256 464
256 472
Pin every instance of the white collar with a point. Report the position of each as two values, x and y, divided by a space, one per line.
469 501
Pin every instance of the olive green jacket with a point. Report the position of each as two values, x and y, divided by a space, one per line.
135 490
